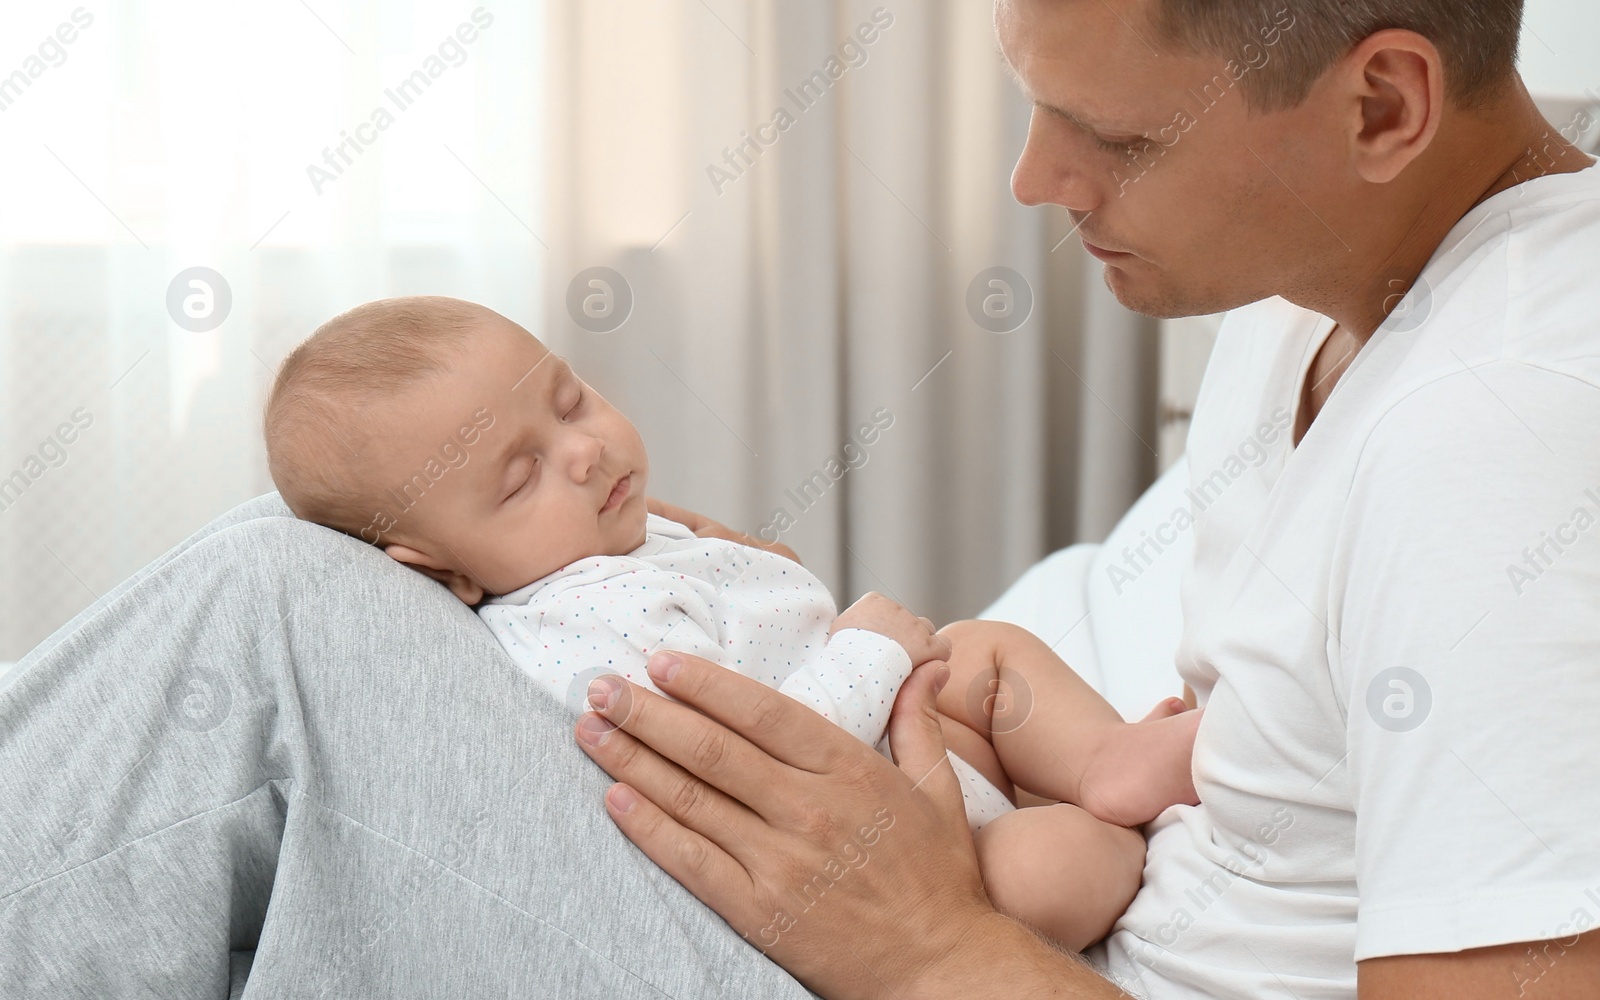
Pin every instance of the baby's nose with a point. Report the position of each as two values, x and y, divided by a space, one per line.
586 456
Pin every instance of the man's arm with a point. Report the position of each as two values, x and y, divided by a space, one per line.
855 874
1565 969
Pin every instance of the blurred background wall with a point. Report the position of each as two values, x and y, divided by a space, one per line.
191 188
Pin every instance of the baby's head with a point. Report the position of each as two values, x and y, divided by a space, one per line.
452 438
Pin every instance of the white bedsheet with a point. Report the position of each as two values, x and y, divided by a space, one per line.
1115 619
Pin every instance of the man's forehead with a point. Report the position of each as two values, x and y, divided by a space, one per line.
1091 62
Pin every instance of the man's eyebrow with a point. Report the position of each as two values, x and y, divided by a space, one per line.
1076 120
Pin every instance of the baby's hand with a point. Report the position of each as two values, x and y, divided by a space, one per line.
889 618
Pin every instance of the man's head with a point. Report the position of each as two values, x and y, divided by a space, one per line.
1477 39
1237 149
454 439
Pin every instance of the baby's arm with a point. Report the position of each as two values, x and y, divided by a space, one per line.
872 648
1054 735
853 682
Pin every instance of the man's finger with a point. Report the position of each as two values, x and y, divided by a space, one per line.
713 746
696 862
690 802
673 512
917 742
766 721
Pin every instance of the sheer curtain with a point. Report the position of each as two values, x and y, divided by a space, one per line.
806 205
801 311
184 134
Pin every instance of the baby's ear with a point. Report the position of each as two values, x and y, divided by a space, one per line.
460 585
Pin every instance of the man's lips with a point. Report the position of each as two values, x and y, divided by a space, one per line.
1102 253
619 493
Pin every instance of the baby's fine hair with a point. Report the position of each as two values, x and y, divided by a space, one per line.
313 421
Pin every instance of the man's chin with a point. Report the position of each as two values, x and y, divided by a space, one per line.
1138 294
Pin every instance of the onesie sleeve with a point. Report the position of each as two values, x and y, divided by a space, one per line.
853 682
1464 628
605 624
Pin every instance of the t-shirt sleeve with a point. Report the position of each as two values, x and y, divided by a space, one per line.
1471 652
853 682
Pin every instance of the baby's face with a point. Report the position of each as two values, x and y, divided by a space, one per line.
552 475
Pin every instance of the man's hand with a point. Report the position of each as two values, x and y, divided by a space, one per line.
891 619
704 527
856 875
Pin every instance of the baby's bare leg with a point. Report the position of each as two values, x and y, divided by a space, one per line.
1060 870
1052 734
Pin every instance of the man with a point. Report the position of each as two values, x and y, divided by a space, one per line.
1392 626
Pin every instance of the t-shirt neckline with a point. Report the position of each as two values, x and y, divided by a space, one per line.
1535 188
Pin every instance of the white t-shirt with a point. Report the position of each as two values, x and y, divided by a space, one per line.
1395 630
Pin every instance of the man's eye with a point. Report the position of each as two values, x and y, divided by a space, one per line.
1121 147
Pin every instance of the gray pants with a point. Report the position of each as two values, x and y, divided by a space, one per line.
273 762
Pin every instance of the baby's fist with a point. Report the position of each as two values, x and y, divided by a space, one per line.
891 619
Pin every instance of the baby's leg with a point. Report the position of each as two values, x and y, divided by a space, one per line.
1054 735
1060 870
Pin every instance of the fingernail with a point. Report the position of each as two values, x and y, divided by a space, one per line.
663 667
622 798
603 693
941 677
593 730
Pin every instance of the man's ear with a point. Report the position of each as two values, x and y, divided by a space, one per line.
460 585
1397 79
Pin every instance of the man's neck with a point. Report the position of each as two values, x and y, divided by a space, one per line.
1480 159
1516 155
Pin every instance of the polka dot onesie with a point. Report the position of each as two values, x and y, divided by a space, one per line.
752 611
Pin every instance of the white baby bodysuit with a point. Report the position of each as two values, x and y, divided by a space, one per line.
752 611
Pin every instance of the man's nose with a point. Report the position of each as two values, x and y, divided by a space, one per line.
1047 173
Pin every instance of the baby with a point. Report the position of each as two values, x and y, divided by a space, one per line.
450 437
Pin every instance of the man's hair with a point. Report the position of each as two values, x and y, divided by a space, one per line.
314 425
1476 38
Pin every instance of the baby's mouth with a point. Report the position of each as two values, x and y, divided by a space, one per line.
619 493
